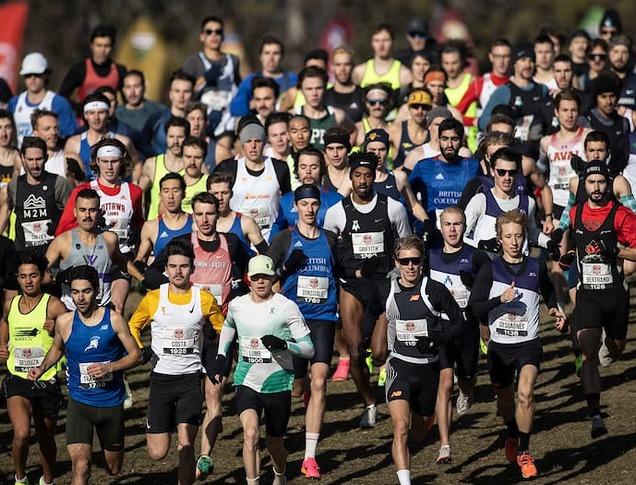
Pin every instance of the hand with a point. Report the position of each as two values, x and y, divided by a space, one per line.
272 343
431 342
296 259
147 355
428 230
49 326
560 322
369 267
216 372
553 245
97 371
34 373
4 352
363 354
508 295
548 226
491 245
467 279
567 259
141 266
63 275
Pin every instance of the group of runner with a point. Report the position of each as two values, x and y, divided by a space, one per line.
401 214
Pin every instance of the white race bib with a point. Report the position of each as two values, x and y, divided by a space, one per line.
512 325
596 274
36 232
260 214
254 352
367 244
26 358
216 100
178 341
460 295
409 330
90 382
312 289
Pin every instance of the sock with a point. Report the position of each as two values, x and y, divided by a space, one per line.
21 480
524 442
344 358
593 404
253 481
513 431
311 440
276 472
404 476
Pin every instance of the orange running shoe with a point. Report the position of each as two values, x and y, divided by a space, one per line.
511 449
342 371
526 464
310 468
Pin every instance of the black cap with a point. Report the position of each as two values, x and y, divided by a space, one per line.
611 18
377 134
579 33
596 167
418 25
306 191
359 159
606 83
521 51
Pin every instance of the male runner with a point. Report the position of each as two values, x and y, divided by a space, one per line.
265 93
344 93
98 348
337 147
367 224
277 130
264 374
411 133
26 335
544 57
45 125
194 153
304 256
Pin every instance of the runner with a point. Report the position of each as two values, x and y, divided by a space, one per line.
277 130
578 45
264 374
420 316
26 335
367 224
177 335
412 132
435 83
505 298
299 134
344 94
194 154
305 258
378 104
265 92
10 162
217 148
544 58
419 39
46 126
337 147
98 348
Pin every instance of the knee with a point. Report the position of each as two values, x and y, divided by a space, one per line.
400 430
525 397
446 384
21 436
114 468
81 466
318 385
251 436
157 452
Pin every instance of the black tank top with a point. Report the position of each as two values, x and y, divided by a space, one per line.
618 134
406 145
528 113
351 103
388 187
6 172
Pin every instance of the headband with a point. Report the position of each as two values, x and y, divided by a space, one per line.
96 105
110 151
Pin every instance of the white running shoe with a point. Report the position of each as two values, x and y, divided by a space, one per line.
369 416
603 353
464 402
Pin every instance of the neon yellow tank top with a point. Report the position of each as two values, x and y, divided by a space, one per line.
455 95
160 171
392 76
191 191
28 341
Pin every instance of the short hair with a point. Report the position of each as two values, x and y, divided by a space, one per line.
409 242
505 153
179 247
312 71
424 54
451 124
6 114
276 117
173 176
33 142
310 151
266 82
33 257
126 161
500 42
499 118
178 122
109 31
197 105
459 47
596 136
543 39
38 114
319 54
492 138
299 116
567 95
106 89
562 58
514 216
181 75
383 27
341 50
211 18
270 39
138 73
219 178
453 210
85 272
205 198
193 141
597 43
87 194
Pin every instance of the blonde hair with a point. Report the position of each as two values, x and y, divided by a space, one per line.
453 210
514 216
408 242
341 50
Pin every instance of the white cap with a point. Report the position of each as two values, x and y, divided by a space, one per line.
34 63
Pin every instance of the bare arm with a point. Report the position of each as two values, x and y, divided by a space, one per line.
147 174
358 73
404 187
4 333
55 352
118 258
145 241
405 76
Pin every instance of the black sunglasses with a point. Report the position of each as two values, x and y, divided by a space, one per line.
213 31
407 261
373 102
419 106
597 57
502 172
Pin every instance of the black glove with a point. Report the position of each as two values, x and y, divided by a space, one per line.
211 76
141 266
553 244
296 260
467 279
431 342
428 230
491 245
216 369
370 266
63 275
363 353
272 343
147 355
608 253
567 259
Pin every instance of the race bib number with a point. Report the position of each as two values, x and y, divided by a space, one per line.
89 382
367 244
407 331
596 276
312 289
216 100
254 352
119 227
178 341
36 232
26 358
512 325
260 214
461 296
522 131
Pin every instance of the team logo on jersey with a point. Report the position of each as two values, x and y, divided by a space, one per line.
254 343
271 310
396 393
178 333
409 326
439 176
298 244
163 234
93 344
24 332
34 206
90 259
414 297
355 225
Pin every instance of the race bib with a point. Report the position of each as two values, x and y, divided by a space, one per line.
254 352
367 244
89 382
596 275
312 289
461 296
119 227
179 341
26 358
512 325
260 214
36 232
522 130
409 330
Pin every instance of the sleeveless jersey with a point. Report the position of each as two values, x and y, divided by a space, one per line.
92 80
117 211
160 171
191 191
526 106
176 334
319 126
559 154
392 76
351 103
213 270
236 229
455 95
485 227
165 234
28 340
389 188
24 109
96 256
313 286
405 146
518 320
487 183
36 212
257 196
410 314
597 271
447 273
6 174
56 163
488 87
85 153
218 98
88 345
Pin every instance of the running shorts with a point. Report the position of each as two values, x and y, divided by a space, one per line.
45 396
82 419
276 405
415 383
322 335
505 359
603 309
173 400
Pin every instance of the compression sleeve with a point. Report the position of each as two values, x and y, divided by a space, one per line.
143 315
629 201
279 248
479 302
546 288
566 221
211 310
443 301
475 209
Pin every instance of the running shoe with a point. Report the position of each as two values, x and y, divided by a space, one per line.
24 481
598 426
578 364
342 371
205 466
279 479
483 347
512 444
310 468
128 398
526 464
464 402
444 457
369 361
382 376
369 416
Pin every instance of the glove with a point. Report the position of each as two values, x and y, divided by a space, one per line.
553 244
490 245
363 354
431 342
296 259
370 266
577 164
567 259
148 355
62 276
141 266
211 76
428 229
608 253
216 369
272 343
467 279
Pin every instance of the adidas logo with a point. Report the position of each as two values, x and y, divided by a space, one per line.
298 244
163 234
439 176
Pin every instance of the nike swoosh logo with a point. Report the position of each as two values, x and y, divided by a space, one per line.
377 220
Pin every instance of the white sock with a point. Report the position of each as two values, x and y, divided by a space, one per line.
20 480
253 481
311 441
404 476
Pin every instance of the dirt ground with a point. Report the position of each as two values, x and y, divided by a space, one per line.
561 443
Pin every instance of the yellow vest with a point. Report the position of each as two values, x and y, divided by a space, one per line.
392 76
191 191
160 171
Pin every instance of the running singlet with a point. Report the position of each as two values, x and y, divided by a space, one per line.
160 171
518 320
405 146
191 191
526 106
392 76
559 154
165 234
213 270
288 214
24 109
319 126
257 367
218 98
389 188
485 227
95 344
448 272
236 229
92 80
313 286
36 212
29 341
118 212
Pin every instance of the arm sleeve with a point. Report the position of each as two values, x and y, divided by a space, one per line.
282 174
239 256
143 315
63 190
474 210
211 311
566 221
625 225
279 248
302 345
65 115
472 188
73 79
398 217
239 106
546 288
501 95
443 301
480 303
228 333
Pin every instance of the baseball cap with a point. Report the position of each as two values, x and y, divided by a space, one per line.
417 25
34 63
419 96
596 167
377 134
261 264
521 51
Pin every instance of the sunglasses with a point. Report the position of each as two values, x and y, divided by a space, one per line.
597 57
608 31
502 172
420 35
417 106
213 31
408 261
27 76
374 102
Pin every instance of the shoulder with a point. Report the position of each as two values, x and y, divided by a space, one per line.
65 319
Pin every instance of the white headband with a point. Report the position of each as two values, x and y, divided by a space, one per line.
96 105
109 151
